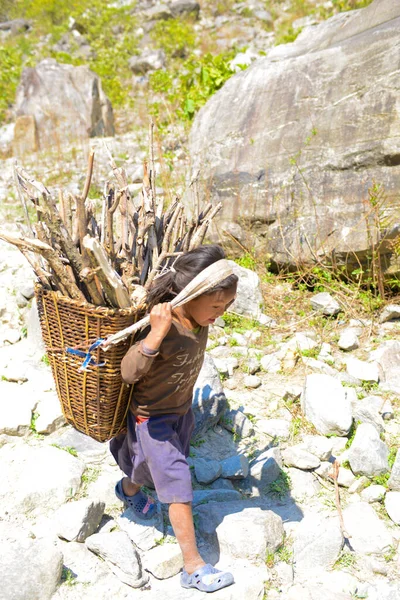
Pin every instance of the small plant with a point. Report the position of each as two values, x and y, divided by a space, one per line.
369 386
269 559
68 449
247 261
352 433
390 554
89 476
68 577
34 418
45 360
285 554
197 442
281 486
311 352
346 560
382 479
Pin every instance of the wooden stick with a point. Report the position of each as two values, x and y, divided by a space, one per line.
199 235
52 258
337 500
112 284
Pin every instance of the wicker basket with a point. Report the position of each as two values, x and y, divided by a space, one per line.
94 401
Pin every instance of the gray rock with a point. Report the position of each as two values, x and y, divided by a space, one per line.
6 139
20 300
266 468
144 534
86 447
253 366
394 480
49 414
373 493
27 290
326 405
34 332
117 550
369 535
368 455
209 401
367 410
360 369
318 542
388 358
295 79
296 456
390 312
324 303
159 12
35 479
303 485
314 592
235 467
207 471
271 363
16 409
149 60
29 568
185 7
164 561
252 381
83 110
222 484
75 521
214 495
359 484
318 445
236 422
274 427
392 505
249 297
240 339
345 477
348 341
250 534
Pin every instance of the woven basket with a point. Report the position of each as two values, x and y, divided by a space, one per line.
95 401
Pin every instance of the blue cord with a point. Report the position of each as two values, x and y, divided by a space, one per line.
89 360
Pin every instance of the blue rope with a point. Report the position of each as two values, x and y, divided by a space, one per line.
89 360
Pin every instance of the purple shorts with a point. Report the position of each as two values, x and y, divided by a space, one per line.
153 453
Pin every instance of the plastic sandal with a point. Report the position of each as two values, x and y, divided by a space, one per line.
142 505
206 579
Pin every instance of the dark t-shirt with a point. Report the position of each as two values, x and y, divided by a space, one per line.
164 384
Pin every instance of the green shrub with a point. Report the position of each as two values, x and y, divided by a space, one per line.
175 36
10 73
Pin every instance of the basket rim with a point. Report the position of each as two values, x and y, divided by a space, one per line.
88 306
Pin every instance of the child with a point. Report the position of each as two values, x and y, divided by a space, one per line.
163 366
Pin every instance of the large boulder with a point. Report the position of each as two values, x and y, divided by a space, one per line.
66 102
209 400
283 144
29 568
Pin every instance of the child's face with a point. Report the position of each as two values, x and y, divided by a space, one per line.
205 309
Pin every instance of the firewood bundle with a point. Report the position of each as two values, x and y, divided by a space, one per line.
108 259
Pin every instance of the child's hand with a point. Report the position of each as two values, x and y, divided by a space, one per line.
160 321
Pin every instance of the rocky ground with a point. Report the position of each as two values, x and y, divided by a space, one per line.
265 503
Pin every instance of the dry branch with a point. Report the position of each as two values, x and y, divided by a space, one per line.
113 286
52 258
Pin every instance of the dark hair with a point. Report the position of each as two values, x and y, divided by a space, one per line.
186 267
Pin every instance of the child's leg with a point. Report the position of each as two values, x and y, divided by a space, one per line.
130 488
181 519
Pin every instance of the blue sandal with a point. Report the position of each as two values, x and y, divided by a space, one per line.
142 505
206 579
